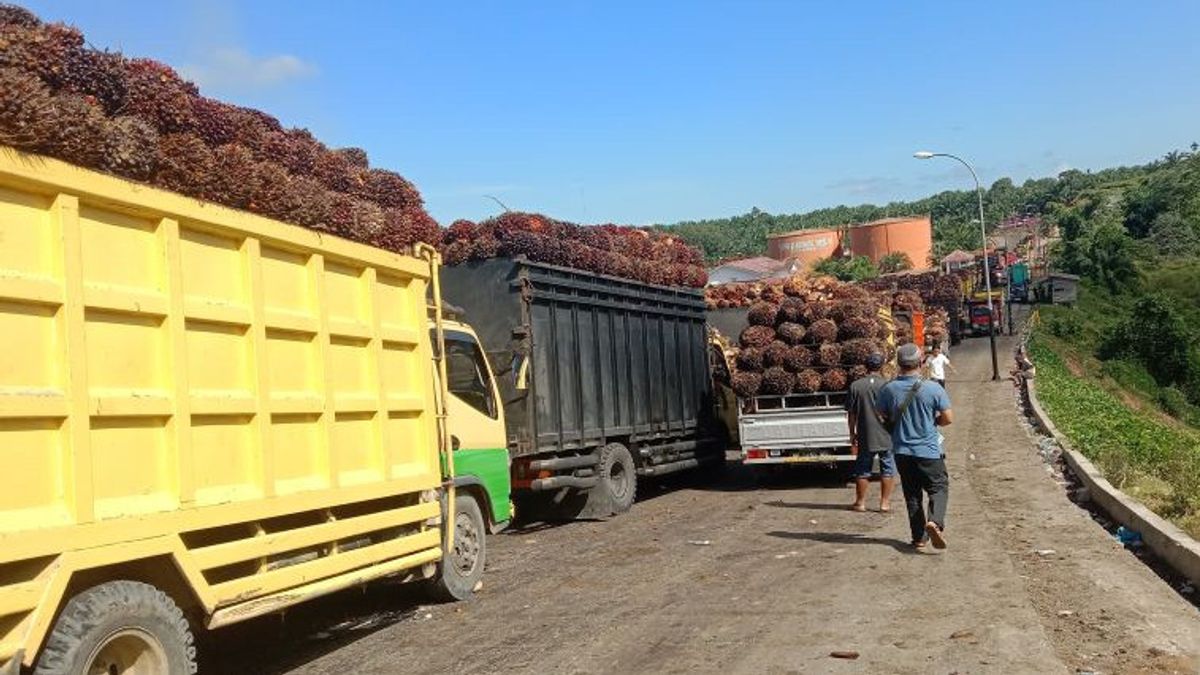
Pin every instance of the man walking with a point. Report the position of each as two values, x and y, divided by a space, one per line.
938 362
913 410
869 439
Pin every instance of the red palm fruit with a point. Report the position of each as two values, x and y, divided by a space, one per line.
295 149
185 164
456 253
763 314
335 172
80 131
14 15
777 381
485 248
130 148
829 354
156 93
26 111
389 189
791 333
746 385
834 379
234 177
356 157
306 202
776 353
272 189
757 336
694 276
857 372
795 286
43 50
461 230
799 358
808 381
858 327
823 330
215 121
751 359
99 74
856 351
791 310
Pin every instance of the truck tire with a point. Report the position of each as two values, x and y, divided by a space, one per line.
618 476
119 627
461 568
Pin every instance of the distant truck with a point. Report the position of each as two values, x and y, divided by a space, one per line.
600 380
980 320
1018 282
207 416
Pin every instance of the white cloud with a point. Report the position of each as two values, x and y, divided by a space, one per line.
234 67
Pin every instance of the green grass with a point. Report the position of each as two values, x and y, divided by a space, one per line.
1154 461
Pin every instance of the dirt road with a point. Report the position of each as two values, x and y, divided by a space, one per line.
772 576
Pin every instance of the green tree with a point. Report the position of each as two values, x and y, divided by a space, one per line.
857 268
894 262
1156 335
1172 235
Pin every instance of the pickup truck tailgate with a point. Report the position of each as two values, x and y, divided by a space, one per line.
794 429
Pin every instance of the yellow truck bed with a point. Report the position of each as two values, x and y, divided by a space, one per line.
239 410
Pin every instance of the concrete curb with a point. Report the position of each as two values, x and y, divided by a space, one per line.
1171 544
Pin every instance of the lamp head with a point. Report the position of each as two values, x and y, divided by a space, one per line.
923 154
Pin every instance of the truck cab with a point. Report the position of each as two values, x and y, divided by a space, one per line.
475 420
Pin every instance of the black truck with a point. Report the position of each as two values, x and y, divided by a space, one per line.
602 379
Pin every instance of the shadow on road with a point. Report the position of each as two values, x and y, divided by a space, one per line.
278 643
845 538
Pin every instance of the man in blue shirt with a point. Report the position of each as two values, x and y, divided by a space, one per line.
914 409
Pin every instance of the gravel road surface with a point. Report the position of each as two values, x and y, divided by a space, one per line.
773 574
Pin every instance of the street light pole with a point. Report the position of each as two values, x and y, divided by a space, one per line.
987 272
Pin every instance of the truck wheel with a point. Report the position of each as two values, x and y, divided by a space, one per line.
618 476
122 627
461 568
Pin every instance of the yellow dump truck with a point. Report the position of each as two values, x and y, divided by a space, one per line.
206 416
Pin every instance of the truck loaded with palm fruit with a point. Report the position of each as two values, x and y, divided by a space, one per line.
787 351
603 378
223 368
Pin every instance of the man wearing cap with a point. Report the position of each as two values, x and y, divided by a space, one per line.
913 409
868 437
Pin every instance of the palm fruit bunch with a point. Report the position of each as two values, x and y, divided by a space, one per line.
139 119
808 381
626 252
834 379
746 384
776 381
932 287
819 330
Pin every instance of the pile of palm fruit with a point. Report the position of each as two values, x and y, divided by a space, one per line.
807 336
929 292
138 119
629 252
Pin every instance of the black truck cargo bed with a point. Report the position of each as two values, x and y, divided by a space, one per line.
584 359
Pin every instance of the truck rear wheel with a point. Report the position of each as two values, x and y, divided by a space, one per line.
618 476
123 627
461 568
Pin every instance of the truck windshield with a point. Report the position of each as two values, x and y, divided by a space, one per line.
467 373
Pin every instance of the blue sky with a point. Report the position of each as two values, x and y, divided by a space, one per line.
643 112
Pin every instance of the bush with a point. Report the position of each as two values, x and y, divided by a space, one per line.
1064 325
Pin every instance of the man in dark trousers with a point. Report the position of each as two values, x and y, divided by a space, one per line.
914 409
869 439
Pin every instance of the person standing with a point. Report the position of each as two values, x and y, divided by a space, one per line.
938 362
913 410
869 439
